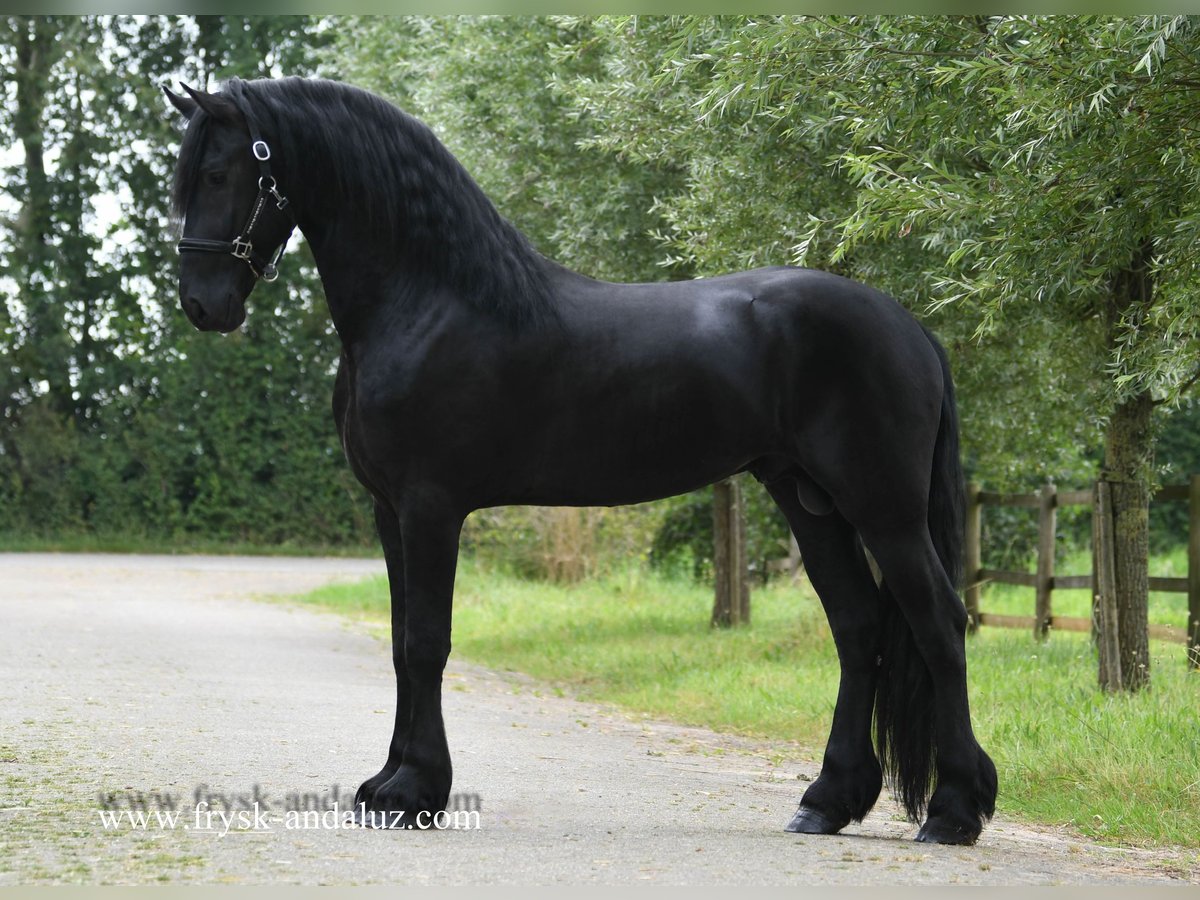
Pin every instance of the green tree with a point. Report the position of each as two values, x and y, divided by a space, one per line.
1036 171
490 86
759 186
117 416
1055 178
1025 182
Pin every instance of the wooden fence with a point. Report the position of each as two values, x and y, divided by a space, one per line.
1045 580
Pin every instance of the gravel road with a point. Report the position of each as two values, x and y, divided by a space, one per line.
139 675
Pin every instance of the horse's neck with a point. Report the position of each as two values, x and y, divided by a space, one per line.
353 288
391 238
369 291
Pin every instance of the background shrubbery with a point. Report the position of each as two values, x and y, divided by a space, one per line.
630 149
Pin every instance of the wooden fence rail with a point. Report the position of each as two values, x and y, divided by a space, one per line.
1045 581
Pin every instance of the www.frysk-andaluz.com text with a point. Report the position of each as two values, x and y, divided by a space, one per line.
220 813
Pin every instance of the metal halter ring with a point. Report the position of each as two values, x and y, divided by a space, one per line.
264 154
267 183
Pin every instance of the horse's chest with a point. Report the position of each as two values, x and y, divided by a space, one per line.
372 439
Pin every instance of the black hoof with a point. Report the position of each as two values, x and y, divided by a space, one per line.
366 791
809 821
933 832
408 798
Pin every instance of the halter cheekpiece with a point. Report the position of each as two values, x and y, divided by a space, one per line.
242 246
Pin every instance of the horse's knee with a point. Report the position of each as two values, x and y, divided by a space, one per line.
858 641
425 660
957 617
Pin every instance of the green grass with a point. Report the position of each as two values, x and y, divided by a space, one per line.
1164 609
1123 769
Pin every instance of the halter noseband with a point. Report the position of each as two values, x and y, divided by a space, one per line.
242 246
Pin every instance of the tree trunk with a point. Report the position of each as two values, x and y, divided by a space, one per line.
45 351
1105 620
33 41
1127 456
1128 466
731 601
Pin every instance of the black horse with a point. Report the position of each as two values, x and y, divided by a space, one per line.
476 373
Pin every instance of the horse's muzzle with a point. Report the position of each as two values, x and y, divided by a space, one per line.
225 319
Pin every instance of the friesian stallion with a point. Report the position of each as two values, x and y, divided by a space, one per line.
475 372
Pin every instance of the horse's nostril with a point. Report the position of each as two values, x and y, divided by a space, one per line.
194 309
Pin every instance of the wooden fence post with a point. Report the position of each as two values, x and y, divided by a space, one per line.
1106 589
731 602
1097 632
974 556
1193 576
1045 559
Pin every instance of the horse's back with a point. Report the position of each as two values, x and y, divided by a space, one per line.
778 294
835 375
816 331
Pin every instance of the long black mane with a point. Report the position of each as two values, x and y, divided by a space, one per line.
340 150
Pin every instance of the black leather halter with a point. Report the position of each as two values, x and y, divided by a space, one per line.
242 246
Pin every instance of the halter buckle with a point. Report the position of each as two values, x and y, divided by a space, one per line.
242 248
266 183
263 154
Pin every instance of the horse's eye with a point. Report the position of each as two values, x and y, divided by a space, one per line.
216 179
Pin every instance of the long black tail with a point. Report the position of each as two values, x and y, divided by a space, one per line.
905 711
947 493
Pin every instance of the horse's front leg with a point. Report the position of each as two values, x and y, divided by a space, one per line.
388 526
420 785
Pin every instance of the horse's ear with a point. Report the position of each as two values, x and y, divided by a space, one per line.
220 108
185 105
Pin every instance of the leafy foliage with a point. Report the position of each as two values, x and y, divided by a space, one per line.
117 417
997 174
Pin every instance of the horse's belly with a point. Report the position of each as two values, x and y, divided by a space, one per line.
633 454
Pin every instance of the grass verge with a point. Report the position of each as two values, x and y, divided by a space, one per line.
1121 769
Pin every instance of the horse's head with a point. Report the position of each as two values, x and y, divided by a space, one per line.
235 221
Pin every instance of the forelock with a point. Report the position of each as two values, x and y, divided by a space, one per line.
187 169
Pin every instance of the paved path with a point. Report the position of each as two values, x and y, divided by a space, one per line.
136 674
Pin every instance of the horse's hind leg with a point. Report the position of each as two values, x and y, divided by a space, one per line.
851 777
936 619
